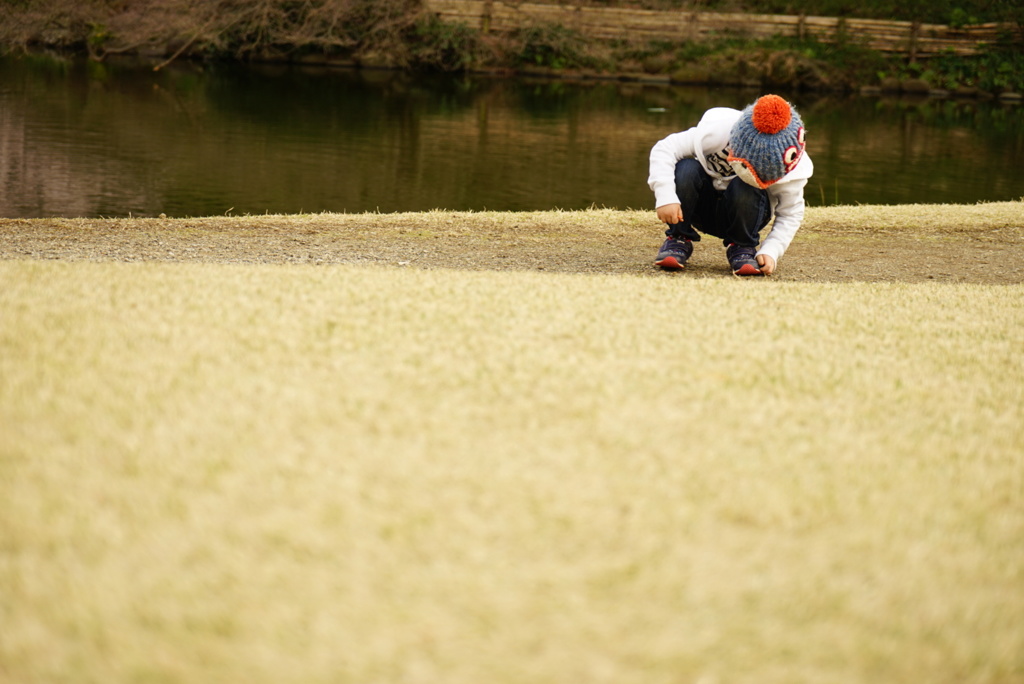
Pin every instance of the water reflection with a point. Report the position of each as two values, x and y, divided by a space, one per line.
84 139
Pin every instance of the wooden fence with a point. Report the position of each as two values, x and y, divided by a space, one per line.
912 38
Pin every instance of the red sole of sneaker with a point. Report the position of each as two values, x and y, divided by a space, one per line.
669 264
748 270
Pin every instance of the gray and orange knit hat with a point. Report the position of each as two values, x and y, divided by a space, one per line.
767 141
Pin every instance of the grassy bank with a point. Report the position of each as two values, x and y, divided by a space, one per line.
290 473
981 243
401 34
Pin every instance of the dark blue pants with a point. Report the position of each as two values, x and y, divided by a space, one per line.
736 214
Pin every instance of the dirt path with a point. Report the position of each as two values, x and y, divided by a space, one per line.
975 244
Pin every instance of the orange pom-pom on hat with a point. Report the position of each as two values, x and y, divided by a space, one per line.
771 114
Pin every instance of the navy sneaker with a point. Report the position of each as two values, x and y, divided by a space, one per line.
743 260
673 254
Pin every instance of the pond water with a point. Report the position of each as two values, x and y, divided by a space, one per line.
80 139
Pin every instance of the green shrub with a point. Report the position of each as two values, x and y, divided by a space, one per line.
999 68
445 46
552 45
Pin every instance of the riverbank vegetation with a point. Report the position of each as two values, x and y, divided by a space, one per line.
401 34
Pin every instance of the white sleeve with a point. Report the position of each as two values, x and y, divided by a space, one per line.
788 203
789 214
710 135
665 154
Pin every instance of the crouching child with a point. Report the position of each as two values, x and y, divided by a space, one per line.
726 177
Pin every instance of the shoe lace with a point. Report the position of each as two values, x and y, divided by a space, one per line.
736 252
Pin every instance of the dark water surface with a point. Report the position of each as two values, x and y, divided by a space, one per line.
113 139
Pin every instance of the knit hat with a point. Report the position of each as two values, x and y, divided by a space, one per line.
767 141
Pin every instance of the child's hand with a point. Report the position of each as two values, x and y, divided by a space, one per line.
766 263
670 214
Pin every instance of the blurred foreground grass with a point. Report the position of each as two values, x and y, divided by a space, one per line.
355 474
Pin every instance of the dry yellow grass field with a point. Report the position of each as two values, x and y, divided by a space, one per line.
344 473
